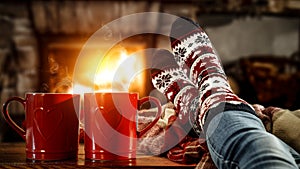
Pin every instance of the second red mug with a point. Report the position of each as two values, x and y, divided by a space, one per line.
110 124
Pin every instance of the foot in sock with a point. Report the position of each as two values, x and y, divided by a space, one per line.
195 55
169 79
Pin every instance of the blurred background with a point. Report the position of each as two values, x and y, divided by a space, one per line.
257 41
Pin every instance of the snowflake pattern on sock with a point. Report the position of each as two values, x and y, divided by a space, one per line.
195 55
178 89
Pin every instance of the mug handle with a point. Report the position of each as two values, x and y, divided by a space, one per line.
9 120
158 114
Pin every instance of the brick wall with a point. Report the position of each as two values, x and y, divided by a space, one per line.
18 60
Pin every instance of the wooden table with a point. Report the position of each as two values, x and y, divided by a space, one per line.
12 155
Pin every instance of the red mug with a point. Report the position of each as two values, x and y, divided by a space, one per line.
51 125
110 124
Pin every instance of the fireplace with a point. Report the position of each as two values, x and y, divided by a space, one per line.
59 58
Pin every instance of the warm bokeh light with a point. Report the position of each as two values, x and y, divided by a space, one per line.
106 71
118 70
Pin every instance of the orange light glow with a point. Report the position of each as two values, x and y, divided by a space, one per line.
116 70
70 91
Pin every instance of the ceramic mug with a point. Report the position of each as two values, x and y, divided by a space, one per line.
51 125
110 124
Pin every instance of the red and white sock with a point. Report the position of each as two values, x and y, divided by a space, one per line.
195 55
169 79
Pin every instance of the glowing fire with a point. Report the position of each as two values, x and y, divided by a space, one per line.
117 71
106 71
113 73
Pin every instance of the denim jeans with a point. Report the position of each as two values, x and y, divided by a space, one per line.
238 139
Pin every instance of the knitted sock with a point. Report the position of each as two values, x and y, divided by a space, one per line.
195 55
169 79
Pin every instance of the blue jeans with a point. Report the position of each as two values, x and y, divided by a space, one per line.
238 139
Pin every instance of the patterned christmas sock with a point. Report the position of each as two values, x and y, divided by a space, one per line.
196 56
169 79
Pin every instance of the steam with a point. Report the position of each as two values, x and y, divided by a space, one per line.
60 81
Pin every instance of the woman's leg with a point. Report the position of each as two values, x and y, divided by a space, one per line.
238 140
235 135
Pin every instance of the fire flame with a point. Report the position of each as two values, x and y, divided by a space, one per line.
113 74
106 71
